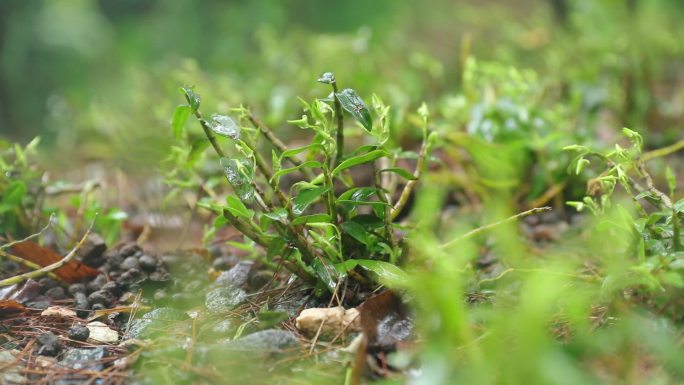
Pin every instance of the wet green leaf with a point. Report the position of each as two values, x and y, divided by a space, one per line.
353 104
306 197
180 116
237 208
360 159
327 78
401 172
225 126
193 99
315 218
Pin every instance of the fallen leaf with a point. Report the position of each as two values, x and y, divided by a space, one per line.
58 311
72 272
9 307
102 333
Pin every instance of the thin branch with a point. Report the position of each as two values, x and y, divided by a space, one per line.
663 151
207 130
30 237
490 226
408 189
51 267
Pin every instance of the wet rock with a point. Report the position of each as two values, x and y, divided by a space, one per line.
148 263
48 345
77 288
39 304
81 303
236 276
130 263
268 340
260 279
101 297
98 306
84 359
160 275
224 263
129 250
97 283
47 284
156 320
56 292
79 333
92 251
113 288
224 298
131 276
10 371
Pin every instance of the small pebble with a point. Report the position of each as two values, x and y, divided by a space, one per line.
49 345
148 263
56 292
79 333
47 284
112 287
97 283
100 297
77 288
223 263
130 263
98 306
129 250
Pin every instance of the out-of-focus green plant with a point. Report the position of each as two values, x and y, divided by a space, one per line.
660 249
19 177
318 233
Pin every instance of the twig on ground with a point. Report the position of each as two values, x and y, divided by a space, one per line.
490 226
51 267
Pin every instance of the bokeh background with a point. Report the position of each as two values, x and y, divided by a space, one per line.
98 79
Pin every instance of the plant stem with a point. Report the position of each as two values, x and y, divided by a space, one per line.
340 126
406 192
387 217
207 130
51 267
490 226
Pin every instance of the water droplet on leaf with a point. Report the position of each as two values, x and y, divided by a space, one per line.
224 126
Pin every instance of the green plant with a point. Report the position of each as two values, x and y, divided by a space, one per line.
657 226
325 226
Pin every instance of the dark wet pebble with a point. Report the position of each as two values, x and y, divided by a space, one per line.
260 279
77 288
148 263
224 263
130 263
101 297
39 304
56 293
129 250
79 333
81 304
98 306
160 275
113 288
97 283
48 345
92 251
47 284
131 276
236 276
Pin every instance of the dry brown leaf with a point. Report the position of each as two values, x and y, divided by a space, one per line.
71 272
9 307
